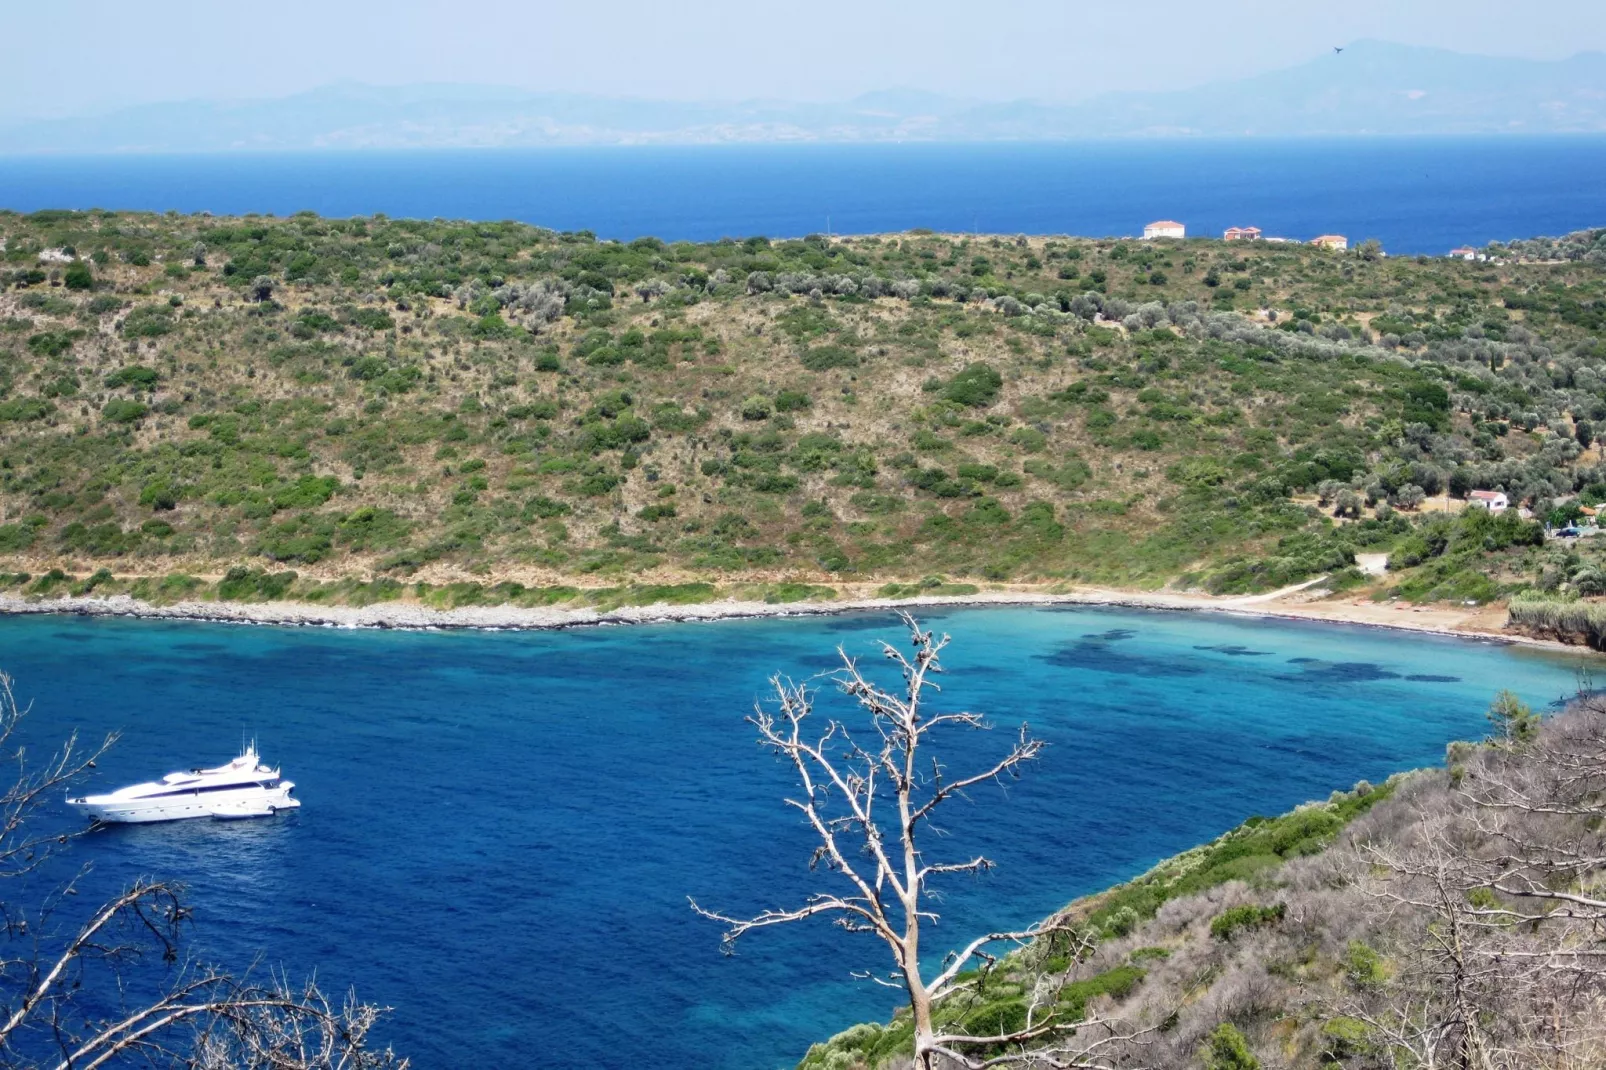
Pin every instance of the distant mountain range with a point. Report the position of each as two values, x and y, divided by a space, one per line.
1371 87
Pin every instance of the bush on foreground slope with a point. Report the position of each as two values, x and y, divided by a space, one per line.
1451 918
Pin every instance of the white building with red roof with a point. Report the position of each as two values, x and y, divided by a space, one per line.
1493 500
1165 228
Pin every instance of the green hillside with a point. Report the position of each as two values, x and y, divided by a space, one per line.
200 405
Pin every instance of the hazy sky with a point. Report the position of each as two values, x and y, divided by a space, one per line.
67 56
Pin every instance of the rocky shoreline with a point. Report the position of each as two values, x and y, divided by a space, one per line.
412 616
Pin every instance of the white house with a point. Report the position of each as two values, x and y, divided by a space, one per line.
1165 228
1493 500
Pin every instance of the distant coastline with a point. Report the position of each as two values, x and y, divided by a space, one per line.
1412 194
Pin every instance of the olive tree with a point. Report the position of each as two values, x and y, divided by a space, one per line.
871 798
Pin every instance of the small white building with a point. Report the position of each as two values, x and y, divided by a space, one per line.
1493 500
1165 228
1467 252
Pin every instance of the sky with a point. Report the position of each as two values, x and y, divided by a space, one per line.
75 56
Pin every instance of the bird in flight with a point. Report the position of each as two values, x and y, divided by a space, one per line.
1337 50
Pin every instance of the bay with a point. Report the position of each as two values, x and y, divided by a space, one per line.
500 830
1419 196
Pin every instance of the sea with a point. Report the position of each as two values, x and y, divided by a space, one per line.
500 831
1418 196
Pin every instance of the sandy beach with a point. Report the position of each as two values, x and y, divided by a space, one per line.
1473 622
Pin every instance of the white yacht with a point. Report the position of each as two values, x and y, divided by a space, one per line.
246 787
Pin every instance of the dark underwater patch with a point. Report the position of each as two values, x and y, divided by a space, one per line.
1235 651
1429 678
1114 635
72 637
1301 661
200 648
1341 672
1097 656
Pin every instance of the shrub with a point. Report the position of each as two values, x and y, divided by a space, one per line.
371 528
976 385
1363 966
241 584
25 410
824 358
78 276
1345 1038
137 376
15 538
123 411
1226 1049
596 484
1230 922
543 508
160 495
373 319
148 321
306 493
1117 983
53 343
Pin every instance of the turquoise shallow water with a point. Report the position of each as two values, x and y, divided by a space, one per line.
500 830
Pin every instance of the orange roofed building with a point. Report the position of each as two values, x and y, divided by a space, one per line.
1165 228
1242 234
1331 241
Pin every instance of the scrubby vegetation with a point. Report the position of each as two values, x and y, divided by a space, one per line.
387 402
1448 918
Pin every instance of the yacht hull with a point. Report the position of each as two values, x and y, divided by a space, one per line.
245 803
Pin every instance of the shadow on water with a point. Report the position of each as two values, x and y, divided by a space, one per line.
1235 651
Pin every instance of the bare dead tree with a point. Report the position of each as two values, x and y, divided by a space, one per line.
1437 1005
68 988
868 799
1507 886
21 849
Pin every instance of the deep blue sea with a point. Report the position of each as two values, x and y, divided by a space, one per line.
500 830
1418 196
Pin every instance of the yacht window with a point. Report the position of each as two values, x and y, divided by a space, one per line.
214 787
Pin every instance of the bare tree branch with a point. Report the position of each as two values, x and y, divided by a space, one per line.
848 792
